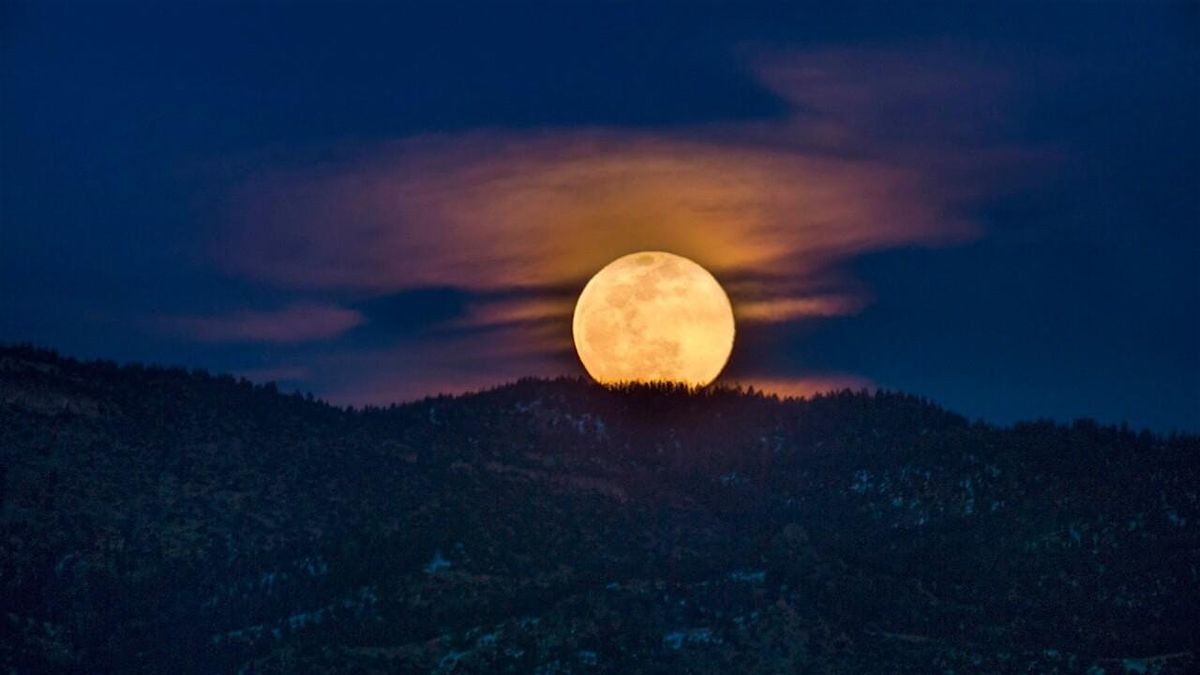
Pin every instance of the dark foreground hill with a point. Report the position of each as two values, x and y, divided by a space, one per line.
157 520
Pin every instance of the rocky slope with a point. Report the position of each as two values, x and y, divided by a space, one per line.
156 520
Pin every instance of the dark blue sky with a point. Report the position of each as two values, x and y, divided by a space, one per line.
167 170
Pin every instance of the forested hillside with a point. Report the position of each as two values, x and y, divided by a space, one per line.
161 520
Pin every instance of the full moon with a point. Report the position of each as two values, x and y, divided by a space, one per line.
653 317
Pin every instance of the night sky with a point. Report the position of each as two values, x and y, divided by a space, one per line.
997 208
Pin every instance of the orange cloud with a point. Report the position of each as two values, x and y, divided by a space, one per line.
808 386
487 211
789 309
517 310
775 209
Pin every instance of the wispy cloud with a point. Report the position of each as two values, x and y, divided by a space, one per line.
485 211
788 309
301 322
870 159
806 386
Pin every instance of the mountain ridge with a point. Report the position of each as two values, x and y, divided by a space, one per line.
162 516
